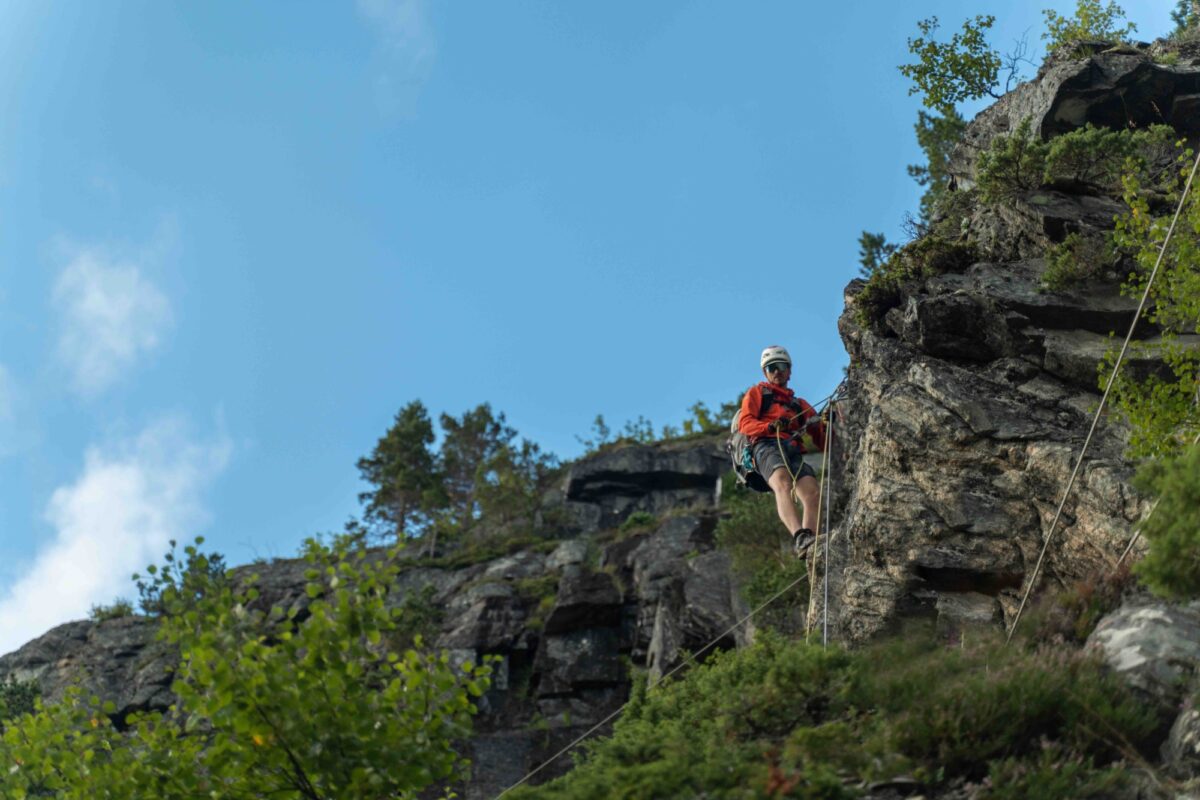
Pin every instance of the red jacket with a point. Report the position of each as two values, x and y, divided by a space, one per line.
801 420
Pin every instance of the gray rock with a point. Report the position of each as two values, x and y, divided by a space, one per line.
570 552
959 612
1181 752
1154 646
118 660
655 479
585 599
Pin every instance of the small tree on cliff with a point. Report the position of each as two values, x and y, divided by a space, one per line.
408 485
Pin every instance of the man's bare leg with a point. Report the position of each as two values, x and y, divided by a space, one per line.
781 484
808 493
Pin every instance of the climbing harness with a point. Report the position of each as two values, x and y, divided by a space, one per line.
828 402
1104 399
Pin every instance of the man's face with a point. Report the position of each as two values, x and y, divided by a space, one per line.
778 372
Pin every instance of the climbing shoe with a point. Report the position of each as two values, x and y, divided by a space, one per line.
802 542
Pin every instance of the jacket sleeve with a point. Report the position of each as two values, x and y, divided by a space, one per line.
749 423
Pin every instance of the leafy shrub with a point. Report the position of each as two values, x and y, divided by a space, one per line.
115 610
17 698
1076 260
1012 165
1087 158
1091 22
1172 566
1161 408
184 579
638 520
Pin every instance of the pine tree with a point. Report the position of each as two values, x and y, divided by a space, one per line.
408 485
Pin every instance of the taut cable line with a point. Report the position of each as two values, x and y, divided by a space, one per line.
1104 399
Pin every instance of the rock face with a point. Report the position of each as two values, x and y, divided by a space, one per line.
967 403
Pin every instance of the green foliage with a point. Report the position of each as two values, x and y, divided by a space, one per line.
946 73
788 719
701 421
1172 567
117 609
268 706
936 135
1011 166
750 531
187 578
923 258
873 251
17 698
1086 159
1092 22
408 488
1186 17
1161 408
1076 260
1096 159
1054 773
1069 616
637 521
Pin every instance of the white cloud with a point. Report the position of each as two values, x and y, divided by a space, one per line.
110 315
112 521
406 52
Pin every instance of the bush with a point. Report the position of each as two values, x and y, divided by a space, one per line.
17 698
788 719
1076 260
1172 567
1011 166
637 521
1092 22
115 610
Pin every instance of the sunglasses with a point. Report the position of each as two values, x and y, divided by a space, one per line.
778 366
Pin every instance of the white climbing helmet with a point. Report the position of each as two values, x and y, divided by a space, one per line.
772 354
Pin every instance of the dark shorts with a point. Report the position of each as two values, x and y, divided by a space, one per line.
767 459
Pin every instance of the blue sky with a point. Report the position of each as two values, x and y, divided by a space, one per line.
237 237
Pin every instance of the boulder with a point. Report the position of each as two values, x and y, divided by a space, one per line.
1154 646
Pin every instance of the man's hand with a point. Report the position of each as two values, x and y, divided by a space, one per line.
776 426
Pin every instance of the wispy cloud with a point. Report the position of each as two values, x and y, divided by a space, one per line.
117 516
406 51
111 315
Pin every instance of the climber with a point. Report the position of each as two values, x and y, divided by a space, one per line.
775 420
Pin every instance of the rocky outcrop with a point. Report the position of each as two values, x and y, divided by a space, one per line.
967 403
1118 88
604 490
